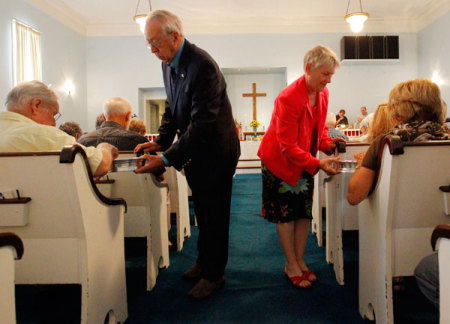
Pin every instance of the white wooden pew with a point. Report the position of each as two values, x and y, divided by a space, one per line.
11 248
440 240
179 203
72 234
397 219
147 213
319 199
340 215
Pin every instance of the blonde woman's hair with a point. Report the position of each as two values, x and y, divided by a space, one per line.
137 125
320 55
416 100
382 122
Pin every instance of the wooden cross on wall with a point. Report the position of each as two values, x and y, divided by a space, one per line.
254 95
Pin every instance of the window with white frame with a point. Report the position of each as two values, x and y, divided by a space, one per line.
27 60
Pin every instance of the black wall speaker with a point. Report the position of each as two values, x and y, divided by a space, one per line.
369 47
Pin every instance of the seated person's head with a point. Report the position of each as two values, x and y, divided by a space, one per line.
365 123
331 119
72 128
416 100
33 99
117 110
364 111
137 125
99 121
342 112
381 123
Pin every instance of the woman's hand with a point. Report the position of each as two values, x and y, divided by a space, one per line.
327 165
147 147
332 145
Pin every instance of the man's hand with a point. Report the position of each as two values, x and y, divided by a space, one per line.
152 163
110 148
147 147
327 165
110 153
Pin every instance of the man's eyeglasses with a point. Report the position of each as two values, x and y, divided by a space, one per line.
56 116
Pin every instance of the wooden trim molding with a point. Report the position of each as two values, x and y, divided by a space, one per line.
438 232
68 156
11 239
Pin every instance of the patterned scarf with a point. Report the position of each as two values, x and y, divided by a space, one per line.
421 131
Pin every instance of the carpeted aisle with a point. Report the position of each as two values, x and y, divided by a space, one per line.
256 290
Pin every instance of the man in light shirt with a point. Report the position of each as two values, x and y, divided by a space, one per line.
29 125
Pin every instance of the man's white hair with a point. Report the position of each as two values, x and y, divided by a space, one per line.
116 107
24 92
170 21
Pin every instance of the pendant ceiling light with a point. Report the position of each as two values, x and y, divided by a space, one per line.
356 19
141 17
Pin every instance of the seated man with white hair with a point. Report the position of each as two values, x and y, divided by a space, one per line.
117 114
28 125
333 132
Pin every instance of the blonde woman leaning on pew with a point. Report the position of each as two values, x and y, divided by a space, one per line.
418 109
297 131
381 123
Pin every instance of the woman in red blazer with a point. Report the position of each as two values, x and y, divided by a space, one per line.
297 130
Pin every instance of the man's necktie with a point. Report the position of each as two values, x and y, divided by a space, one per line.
173 78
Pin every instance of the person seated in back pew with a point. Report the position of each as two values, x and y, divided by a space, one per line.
29 125
72 128
427 276
334 132
117 114
137 125
418 110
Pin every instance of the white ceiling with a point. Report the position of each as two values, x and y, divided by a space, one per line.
114 17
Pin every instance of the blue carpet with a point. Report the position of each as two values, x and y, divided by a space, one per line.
256 290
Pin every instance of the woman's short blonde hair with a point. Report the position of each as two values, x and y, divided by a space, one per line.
382 122
416 100
320 55
137 125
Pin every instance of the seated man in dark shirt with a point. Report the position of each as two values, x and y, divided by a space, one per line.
117 113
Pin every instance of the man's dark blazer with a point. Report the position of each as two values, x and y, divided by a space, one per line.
199 112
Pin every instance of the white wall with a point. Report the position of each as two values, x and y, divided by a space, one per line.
434 49
118 66
63 57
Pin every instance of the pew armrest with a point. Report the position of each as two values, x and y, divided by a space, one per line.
440 231
11 239
68 156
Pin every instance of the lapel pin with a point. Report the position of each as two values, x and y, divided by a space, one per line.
182 75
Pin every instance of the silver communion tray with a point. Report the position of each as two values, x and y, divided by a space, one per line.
126 164
346 165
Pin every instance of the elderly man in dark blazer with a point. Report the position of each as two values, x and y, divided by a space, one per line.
198 111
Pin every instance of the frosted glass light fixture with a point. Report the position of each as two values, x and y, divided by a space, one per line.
356 19
140 18
68 87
